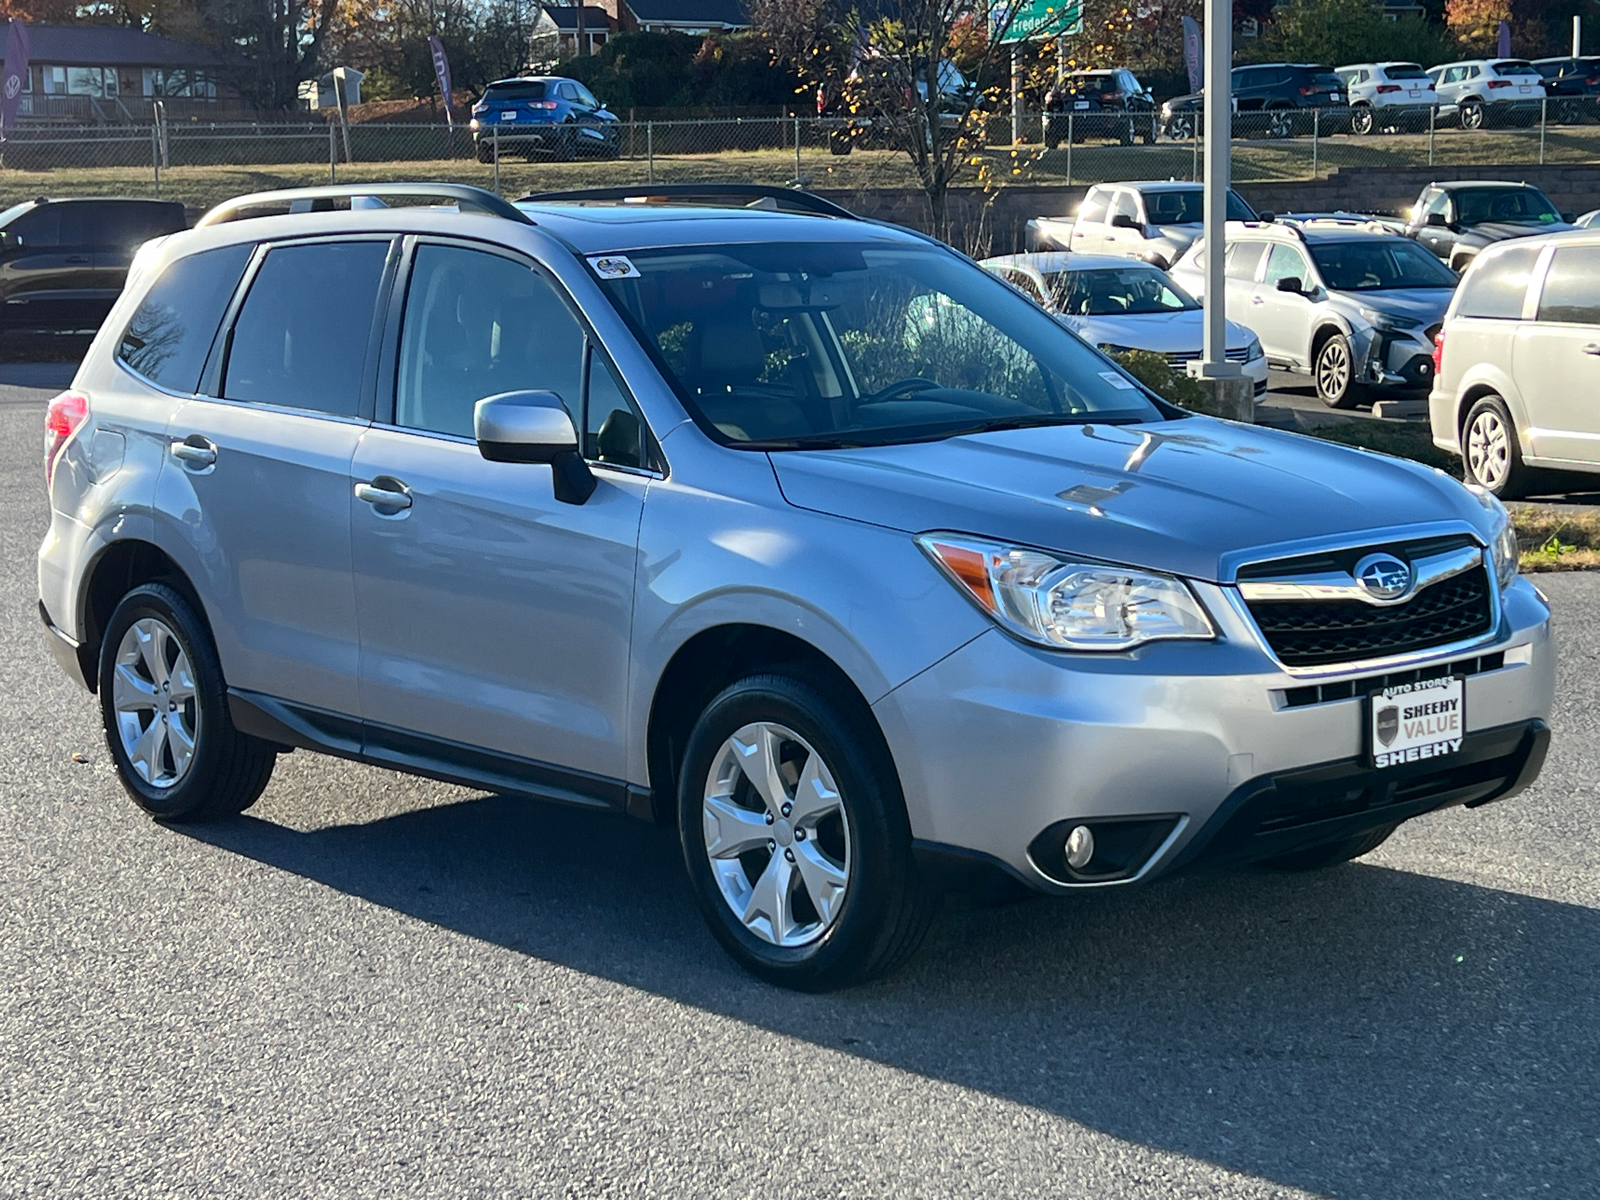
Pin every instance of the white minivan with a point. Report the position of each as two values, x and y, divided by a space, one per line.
1516 387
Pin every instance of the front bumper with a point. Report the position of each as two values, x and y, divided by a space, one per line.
1000 743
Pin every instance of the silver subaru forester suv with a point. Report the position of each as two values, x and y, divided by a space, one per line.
728 510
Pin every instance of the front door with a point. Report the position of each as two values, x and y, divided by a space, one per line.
1555 359
47 275
493 616
260 472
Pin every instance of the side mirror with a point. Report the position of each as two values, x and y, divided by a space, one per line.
1124 221
1290 283
1436 221
1266 218
533 427
1569 218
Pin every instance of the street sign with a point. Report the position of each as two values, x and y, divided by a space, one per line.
1040 18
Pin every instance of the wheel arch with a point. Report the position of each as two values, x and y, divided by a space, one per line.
122 566
714 658
1326 328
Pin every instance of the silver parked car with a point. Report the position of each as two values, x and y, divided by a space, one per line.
798 532
1338 298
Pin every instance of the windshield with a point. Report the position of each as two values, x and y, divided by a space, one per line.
1406 71
1369 266
502 92
792 346
1327 80
1515 68
1519 206
1117 292
1187 207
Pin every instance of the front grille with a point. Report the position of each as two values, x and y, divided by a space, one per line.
1180 359
1312 633
1327 693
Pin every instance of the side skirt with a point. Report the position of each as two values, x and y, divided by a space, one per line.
297 725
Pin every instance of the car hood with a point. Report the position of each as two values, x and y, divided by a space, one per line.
1423 304
1170 496
1165 333
1499 231
1180 237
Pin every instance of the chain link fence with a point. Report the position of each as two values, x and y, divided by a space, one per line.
203 163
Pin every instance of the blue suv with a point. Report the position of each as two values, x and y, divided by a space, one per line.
548 116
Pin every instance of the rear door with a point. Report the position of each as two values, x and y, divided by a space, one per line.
260 471
1555 358
1281 319
47 278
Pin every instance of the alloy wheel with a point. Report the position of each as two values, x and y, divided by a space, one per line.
1472 116
1489 450
1361 119
777 834
1333 370
157 708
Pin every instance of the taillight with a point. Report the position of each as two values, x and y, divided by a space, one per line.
1386 88
67 412
822 101
1110 97
1592 80
1497 83
1438 353
546 104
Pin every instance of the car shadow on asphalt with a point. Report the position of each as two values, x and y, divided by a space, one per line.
1348 1031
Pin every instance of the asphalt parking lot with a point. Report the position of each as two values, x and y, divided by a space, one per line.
377 986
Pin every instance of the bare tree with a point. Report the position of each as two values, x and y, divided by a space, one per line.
885 65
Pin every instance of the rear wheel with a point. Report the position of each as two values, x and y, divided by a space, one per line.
165 709
1335 372
485 152
1361 121
1490 451
796 840
1280 123
1331 854
1472 114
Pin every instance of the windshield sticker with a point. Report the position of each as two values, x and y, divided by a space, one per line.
614 266
1117 381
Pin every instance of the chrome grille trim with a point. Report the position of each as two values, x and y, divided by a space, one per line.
1339 586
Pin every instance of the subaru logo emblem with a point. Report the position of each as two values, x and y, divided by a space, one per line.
1384 576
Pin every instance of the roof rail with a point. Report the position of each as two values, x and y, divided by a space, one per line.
370 195
752 195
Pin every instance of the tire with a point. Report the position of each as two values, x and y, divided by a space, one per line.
1125 132
1280 123
1490 454
1567 112
1181 128
1331 854
840 143
845 902
1335 373
485 152
565 148
1472 114
157 648
1361 120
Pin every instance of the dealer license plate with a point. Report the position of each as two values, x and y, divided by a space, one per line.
1080 104
508 116
1411 722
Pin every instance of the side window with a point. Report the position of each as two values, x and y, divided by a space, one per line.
1572 287
48 227
478 324
1093 211
301 337
569 91
1023 283
1243 258
1125 206
170 332
1285 262
1497 286
1434 201
585 96
614 432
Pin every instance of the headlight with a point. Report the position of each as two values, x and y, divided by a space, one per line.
1065 605
1503 549
1253 350
1383 320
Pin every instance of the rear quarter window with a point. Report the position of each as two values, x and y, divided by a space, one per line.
1497 286
172 329
1572 287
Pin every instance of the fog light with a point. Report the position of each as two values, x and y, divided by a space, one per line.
1080 847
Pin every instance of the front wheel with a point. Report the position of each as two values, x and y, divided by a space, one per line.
1335 372
165 709
1361 120
795 837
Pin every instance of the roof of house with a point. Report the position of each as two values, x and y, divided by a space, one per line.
113 46
595 20
728 13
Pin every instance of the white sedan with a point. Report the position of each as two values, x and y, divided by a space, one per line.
1122 304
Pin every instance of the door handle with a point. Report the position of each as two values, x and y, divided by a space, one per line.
395 496
1592 348
1257 300
77 258
195 451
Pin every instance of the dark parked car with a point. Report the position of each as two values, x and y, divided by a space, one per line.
1455 220
1271 100
1572 85
63 262
856 107
1101 104
543 117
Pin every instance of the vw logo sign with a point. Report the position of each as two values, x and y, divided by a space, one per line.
1384 576
13 86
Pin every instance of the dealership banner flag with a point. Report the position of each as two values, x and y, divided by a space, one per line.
1504 49
1191 54
441 68
16 74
